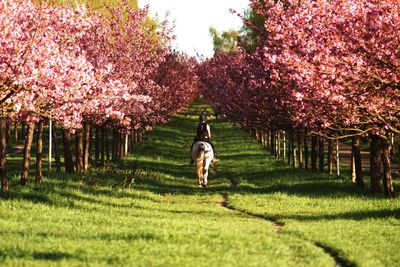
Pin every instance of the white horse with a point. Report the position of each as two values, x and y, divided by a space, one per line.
202 154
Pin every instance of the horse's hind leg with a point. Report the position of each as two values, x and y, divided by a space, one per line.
205 173
205 177
201 180
205 181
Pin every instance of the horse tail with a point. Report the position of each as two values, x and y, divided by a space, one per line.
199 161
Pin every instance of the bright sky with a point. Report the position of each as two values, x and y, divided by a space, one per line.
193 18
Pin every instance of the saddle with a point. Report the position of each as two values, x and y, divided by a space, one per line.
201 138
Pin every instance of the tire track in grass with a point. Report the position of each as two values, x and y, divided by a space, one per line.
340 261
277 227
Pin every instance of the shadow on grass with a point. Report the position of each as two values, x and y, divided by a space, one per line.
66 192
128 237
37 255
34 197
52 255
353 215
163 158
241 156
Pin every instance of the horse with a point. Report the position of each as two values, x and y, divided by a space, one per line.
202 154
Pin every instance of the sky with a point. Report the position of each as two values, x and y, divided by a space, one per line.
193 18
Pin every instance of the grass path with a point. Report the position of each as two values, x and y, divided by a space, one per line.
275 216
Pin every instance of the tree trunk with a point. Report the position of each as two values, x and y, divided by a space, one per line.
266 136
27 154
278 145
39 152
391 139
132 138
97 142
86 146
107 144
357 161
314 143
387 170
321 155
352 165
15 133
121 146
115 149
141 134
79 151
330 157
258 138
375 164
284 144
289 147
276 136
56 149
23 124
118 145
299 150
69 164
8 133
126 144
305 152
272 143
337 158
3 155
294 150
102 146
114 146
135 136
263 138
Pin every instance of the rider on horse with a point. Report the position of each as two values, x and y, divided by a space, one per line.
203 133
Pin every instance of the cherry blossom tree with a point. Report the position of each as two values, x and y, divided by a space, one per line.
70 66
342 58
328 67
43 71
177 86
124 53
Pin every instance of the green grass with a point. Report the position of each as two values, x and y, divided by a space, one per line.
164 219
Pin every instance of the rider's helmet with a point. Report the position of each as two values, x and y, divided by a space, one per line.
202 116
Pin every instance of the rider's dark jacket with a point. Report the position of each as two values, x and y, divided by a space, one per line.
202 132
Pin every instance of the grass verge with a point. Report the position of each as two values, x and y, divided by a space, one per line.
150 212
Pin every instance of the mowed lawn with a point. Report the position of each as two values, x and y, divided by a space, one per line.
149 211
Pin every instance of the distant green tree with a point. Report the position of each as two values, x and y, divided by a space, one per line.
247 37
151 24
249 33
254 22
224 42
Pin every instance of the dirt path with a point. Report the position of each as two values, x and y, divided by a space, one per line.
345 157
